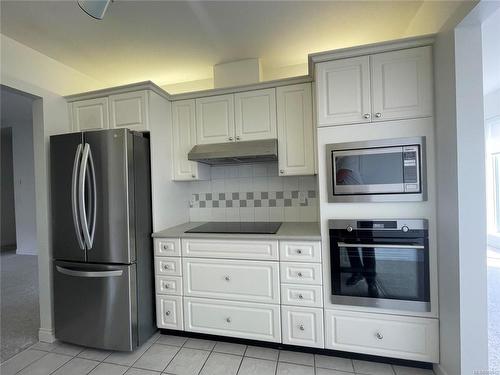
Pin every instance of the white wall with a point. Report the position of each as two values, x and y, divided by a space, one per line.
461 192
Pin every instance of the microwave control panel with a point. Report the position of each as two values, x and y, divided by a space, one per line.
411 169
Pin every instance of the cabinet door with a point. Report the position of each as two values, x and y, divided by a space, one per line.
129 110
402 84
184 138
91 114
215 119
343 88
255 115
302 326
295 130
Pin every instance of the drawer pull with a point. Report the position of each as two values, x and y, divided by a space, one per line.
379 336
166 247
167 313
166 286
228 319
166 267
299 274
301 296
299 251
301 327
227 278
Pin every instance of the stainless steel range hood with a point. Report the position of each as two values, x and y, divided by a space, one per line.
235 152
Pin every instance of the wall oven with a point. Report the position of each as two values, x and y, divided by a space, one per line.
377 171
380 263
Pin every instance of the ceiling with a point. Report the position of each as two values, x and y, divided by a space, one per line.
178 41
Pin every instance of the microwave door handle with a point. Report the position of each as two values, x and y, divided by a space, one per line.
383 246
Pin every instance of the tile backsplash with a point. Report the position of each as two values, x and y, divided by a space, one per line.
253 192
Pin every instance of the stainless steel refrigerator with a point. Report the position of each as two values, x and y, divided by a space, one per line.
103 280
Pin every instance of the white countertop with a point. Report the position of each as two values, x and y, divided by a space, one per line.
306 231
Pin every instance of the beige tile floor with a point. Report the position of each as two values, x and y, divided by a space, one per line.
164 354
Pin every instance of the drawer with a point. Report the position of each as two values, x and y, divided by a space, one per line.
244 280
255 321
168 266
298 251
168 285
384 335
302 295
168 247
302 326
300 273
169 312
203 248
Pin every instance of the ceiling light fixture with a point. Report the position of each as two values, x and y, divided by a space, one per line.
94 8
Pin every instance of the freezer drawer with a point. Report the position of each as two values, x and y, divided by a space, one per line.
95 305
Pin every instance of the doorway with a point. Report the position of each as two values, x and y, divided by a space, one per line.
19 306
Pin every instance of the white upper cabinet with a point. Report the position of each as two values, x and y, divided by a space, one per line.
255 115
344 91
129 110
215 119
295 130
402 84
91 114
183 140
392 85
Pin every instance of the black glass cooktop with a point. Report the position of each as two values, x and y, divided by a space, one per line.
257 227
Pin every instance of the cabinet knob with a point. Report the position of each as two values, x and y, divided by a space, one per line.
299 251
301 296
299 274
228 319
166 286
379 336
193 176
301 327
167 313
227 278
230 138
378 115
166 267
238 138
366 115
282 171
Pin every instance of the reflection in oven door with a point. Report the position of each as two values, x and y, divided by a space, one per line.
375 268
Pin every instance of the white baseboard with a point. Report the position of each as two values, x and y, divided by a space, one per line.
438 370
46 335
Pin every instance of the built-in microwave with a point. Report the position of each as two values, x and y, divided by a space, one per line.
377 171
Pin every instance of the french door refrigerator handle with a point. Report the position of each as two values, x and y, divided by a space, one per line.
94 198
386 246
74 199
70 272
81 198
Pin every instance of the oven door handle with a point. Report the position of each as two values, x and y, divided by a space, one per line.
384 246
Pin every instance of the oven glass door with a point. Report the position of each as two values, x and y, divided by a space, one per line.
368 171
381 271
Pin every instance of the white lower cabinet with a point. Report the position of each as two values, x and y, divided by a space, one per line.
255 321
302 295
301 273
168 285
169 312
384 335
244 280
168 266
302 326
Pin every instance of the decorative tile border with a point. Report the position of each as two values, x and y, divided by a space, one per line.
254 199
